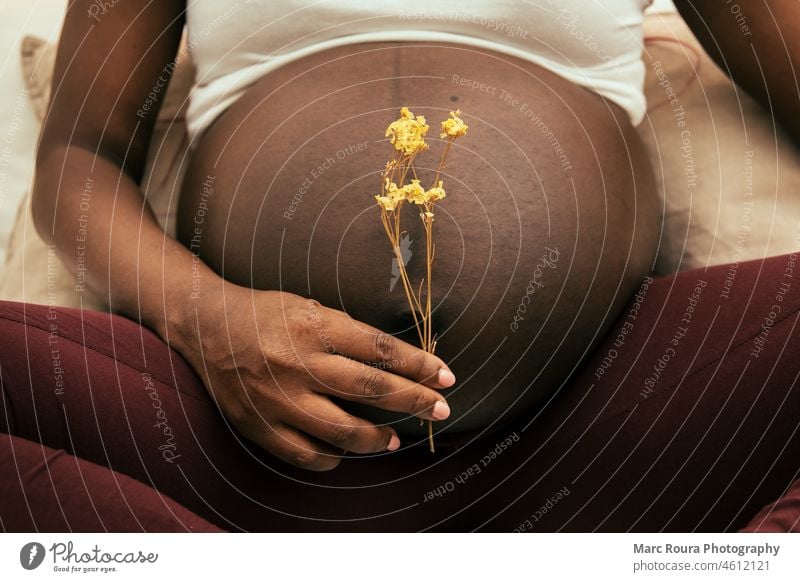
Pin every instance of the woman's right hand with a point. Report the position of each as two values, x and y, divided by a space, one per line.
272 360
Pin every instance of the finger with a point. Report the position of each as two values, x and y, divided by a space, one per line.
293 447
318 416
368 344
352 380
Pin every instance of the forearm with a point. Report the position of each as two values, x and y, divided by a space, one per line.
106 234
757 43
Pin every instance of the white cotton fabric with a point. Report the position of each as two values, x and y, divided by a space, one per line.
596 44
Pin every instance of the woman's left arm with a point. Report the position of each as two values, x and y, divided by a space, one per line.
757 43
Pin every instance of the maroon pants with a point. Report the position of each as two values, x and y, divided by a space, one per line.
685 418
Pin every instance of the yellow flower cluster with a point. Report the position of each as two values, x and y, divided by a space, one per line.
455 126
435 193
392 197
413 193
408 137
408 133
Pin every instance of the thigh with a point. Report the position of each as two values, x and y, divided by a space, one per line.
108 391
686 417
780 516
47 490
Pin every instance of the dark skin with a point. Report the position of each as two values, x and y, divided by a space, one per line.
764 63
92 131
270 371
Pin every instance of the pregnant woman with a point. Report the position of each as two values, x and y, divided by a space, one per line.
274 382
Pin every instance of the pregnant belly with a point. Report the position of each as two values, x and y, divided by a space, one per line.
549 224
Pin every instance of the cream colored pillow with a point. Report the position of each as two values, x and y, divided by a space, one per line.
729 181
33 273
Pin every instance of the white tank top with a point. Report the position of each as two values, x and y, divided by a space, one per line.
596 44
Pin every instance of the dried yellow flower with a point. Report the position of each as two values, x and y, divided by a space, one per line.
414 193
392 191
455 126
388 204
435 193
408 133
408 137
392 196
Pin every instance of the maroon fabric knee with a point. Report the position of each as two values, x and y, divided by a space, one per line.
108 391
782 515
45 490
105 390
684 418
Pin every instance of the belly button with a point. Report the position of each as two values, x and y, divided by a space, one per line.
453 98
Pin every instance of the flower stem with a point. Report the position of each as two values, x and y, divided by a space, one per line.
399 167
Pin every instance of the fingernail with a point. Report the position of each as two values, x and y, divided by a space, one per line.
446 378
441 410
394 443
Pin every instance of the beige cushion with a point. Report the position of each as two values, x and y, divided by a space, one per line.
721 204
734 196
